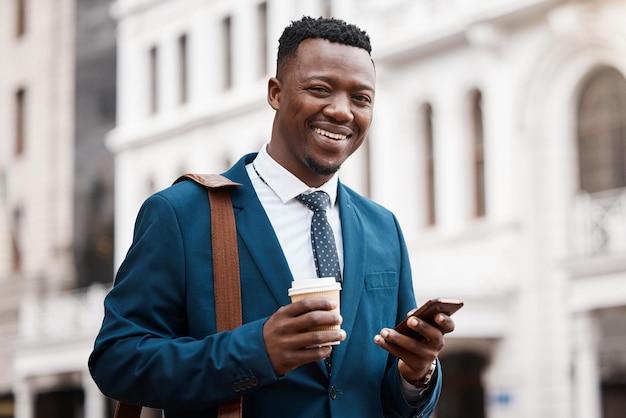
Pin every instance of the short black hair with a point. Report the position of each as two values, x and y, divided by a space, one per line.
331 29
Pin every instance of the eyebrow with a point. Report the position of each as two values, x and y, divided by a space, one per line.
330 80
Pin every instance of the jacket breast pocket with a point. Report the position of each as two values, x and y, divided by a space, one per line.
378 307
381 281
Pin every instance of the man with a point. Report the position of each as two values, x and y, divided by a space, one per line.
158 345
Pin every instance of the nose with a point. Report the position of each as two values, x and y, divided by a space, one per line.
339 109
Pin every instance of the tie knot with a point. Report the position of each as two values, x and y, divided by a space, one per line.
316 201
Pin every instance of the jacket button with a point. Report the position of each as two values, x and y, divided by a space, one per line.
333 393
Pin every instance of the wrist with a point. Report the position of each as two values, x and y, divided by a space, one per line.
424 382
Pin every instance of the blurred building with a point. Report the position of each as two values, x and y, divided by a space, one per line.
499 140
57 95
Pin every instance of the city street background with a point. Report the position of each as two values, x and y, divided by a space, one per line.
499 141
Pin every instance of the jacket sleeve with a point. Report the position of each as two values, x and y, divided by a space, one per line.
393 397
144 355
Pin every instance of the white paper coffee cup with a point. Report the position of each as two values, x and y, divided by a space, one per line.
323 287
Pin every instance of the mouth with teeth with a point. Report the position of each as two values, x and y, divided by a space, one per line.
330 135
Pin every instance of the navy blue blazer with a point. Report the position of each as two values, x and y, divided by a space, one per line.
158 344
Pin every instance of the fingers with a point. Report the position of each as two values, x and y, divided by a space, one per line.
416 352
423 332
420 329
445 323
308 305
293 335
406 347
307 314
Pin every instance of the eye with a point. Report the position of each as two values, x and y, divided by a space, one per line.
362 98
318 89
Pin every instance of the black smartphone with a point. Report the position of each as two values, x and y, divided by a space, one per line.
427 313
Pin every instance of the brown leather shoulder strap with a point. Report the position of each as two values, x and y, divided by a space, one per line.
226 283
225 254
208 180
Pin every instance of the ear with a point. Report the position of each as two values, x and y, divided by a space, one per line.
274 87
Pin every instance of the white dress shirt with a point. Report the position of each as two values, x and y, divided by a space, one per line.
277 189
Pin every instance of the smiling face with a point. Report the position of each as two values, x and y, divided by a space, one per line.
324 104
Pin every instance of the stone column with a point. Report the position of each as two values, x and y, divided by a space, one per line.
24 399
95 402
587 395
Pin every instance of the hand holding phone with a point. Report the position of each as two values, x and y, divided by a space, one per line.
427 313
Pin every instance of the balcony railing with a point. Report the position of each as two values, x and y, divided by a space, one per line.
599 223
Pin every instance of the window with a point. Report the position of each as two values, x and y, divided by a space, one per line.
7 405
464 395
227 53
367 165
151 187
602 131
262 37
20 17
16 235
429 160
153 80
611 360
478 163
59 402
183 68
20 122
327 8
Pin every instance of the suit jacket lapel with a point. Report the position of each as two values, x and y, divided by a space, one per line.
354 254
253 224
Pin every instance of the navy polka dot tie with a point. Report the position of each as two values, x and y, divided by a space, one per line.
322 237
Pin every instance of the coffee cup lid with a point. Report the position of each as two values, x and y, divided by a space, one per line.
314 285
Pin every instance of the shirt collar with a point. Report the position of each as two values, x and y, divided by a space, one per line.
284 183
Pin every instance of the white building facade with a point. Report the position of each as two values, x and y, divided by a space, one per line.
499 140
481 111
36 170
51 124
